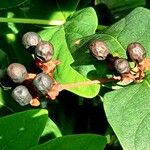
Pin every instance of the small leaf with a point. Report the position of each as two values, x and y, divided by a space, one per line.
128 113
75 142
22 130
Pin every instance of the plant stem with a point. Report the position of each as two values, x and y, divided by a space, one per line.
32 21
87 83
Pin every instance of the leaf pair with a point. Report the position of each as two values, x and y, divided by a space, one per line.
23 131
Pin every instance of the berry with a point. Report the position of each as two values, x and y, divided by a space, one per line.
99 49
44 51
42 83
17 72
30 39
21 95
136 52
122 65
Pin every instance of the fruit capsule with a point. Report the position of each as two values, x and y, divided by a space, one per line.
122 65
30 39
17 72
99 49
42 83
136 52
21 95
44 51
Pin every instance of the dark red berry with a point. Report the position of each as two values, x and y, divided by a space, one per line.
17 72
42 83
21 95
136 52
44 51
99 49
122 65
30 39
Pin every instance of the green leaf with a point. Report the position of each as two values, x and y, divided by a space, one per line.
128 113
134 27
75 142
63 38
22 130
51 130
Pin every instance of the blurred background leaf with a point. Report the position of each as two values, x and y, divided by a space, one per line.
22 130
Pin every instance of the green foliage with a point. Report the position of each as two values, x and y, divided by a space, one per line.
127 109
69 33
25 126
116 39
22 131
51 129
74 142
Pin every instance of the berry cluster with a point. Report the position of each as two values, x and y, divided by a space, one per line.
135 52
30 87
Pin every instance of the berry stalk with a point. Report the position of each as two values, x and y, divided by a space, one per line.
87 83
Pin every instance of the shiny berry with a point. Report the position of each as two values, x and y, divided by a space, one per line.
42 83
44 51
30 39
99 49
21 95
136 52
17 72
122 65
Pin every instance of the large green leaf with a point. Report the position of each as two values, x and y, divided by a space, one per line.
75 142
63 38
128 112
22 130
134 27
